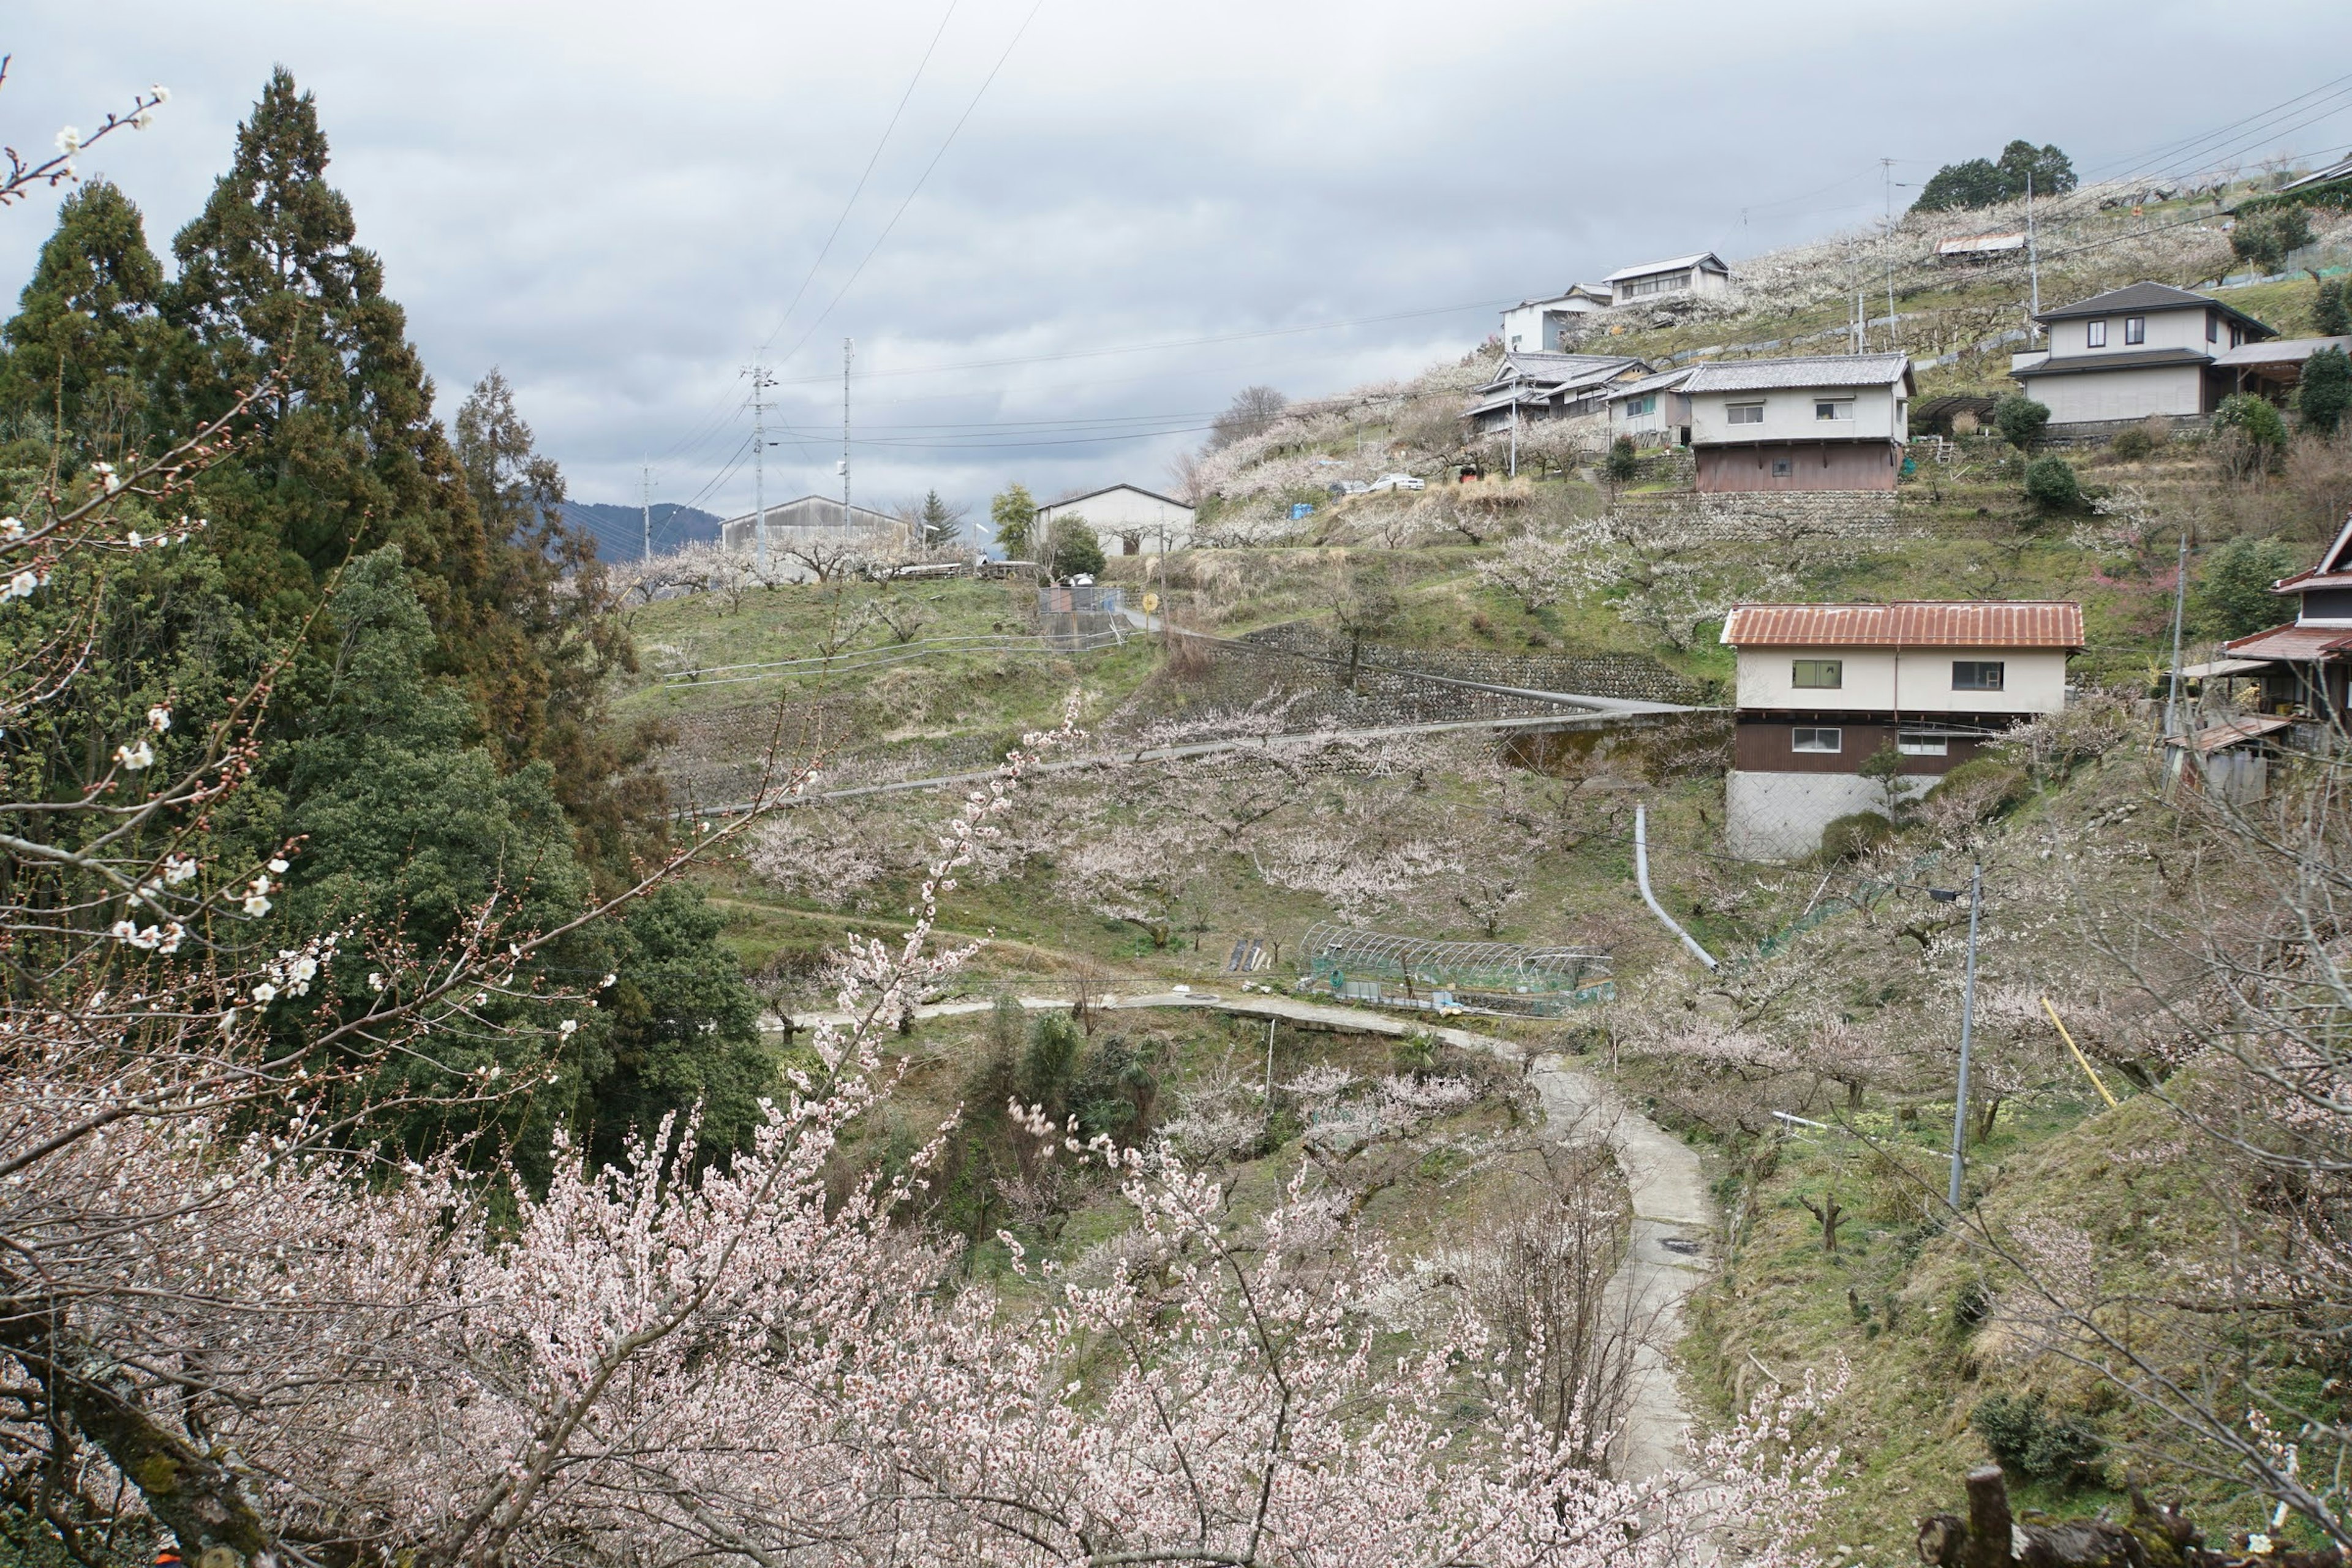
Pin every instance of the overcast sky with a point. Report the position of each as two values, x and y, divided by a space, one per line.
619 205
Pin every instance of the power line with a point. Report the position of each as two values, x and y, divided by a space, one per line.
921 180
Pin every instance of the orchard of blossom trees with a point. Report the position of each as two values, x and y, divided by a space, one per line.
341 1217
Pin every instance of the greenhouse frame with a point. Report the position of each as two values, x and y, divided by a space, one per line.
1438 976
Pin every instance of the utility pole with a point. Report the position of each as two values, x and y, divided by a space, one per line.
1967 1026
2179 602
760 382
648 511
845 351
2032 261
1512 470
1887 165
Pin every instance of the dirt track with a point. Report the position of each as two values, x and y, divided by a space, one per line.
1674 1219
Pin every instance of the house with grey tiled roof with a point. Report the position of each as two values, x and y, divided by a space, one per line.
1812 422
1527 387
2145 349
1704 273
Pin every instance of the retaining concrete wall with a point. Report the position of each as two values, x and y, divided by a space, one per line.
1779 817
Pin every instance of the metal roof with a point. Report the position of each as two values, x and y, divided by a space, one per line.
2296 644
2150 297
1326 939
2231 733
1805 370
2054 624
2336 171
2279 351
1138 489
1980 244
1678 264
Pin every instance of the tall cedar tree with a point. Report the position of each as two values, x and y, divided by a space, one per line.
557 636
344 455
84 344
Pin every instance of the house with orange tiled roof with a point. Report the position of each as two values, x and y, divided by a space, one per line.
1821 688
2304 666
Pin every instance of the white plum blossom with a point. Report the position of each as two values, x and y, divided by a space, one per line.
135 757
158 718
107 476
276 868
12 529
265 993
375 980
569 1026
68 141
177 869
22 584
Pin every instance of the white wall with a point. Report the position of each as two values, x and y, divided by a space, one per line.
1779 817
1911 680
1788 416
1542 327
2182 329
2119 394
1116 513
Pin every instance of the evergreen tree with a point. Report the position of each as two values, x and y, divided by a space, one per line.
558 637
345 455
1011 514
680 1032
86 337
1982 182
1072 549
942 524
2233 597
2325 391
2331 313
2049 171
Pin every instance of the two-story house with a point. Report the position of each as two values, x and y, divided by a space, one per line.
1822 422
1654 410
1549 325
2305 666
1526 387
1704 274
2144 348
1821 688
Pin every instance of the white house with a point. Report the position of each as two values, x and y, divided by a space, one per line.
1821 688
2141 349
1654 410
1128 519
1704 274
1546 325
1818 422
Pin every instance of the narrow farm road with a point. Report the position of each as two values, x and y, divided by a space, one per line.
1673 1218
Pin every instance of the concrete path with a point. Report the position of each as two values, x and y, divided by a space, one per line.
1673 1218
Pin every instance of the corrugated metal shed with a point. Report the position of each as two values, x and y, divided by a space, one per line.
1676 264
2030 624
1805 370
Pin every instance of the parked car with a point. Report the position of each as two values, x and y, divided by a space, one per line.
1395 482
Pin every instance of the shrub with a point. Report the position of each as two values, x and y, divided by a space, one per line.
1852 836
2331 312
2051 484
2028 1440
1071 548
2326 391
2252 420
2233 597
1624 463
1990 785
2019 419
2149 436
2267 239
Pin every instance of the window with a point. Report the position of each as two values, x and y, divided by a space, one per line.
1817 740
1637 406
2094 335
1833 408
1915 744
2212 328
1780 467
1744 413
1817 674
1664 283
1977 674
2134 329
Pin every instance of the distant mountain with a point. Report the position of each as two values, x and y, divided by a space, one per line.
620 529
